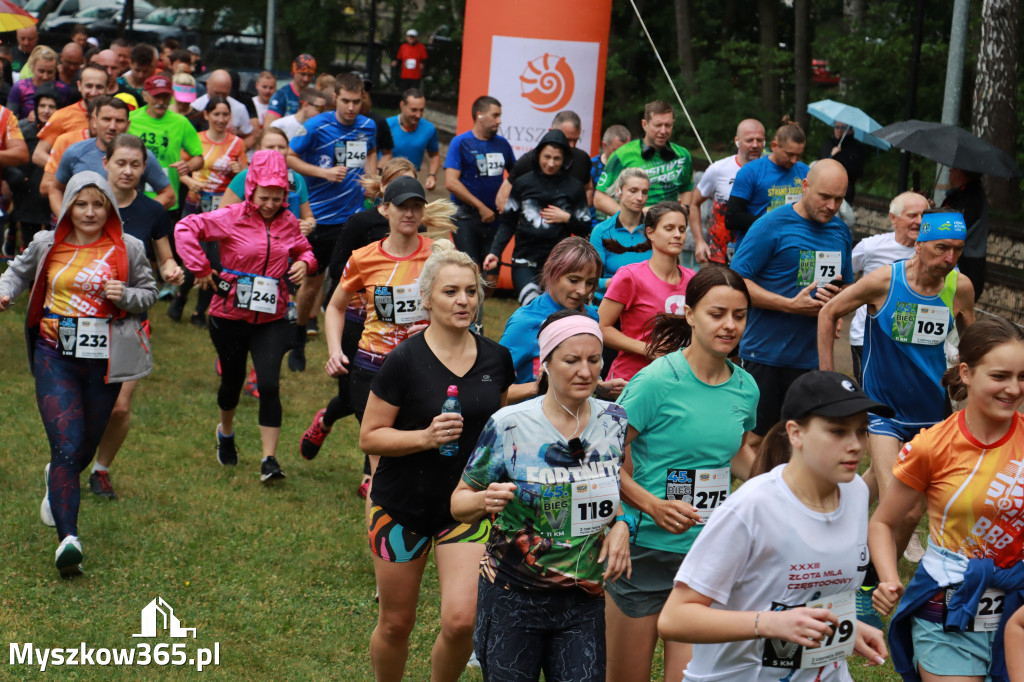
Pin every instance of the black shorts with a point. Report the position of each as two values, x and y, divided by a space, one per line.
773 382
322 239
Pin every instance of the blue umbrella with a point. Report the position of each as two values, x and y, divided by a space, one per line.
862 125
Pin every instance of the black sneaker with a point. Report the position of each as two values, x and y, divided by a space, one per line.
99 483
270 470
177 307
227 455
312 327
198 320
297 358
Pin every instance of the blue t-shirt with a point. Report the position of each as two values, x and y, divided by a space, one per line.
612 229
783 253
412 145
327 143
481 164
86 155
297 192
767 185
522 330
285 101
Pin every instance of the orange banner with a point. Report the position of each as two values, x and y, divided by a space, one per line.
537 58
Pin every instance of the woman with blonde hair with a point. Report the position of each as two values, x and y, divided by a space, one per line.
617 239
42 62
422 454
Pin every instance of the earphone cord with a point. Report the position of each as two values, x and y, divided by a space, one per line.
575 416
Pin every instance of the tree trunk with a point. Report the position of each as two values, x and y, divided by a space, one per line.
853 14
768 14
995 92
801 61
684 46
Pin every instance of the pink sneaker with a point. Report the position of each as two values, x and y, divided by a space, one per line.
314 436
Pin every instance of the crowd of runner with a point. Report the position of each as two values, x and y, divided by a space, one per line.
657 447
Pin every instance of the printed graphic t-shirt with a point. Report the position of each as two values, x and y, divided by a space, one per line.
74 282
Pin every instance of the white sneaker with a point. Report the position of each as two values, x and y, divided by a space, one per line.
45 513
914 551
69 556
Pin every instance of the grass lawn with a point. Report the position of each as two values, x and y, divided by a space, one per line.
280 578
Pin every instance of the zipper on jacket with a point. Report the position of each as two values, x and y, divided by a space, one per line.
266 259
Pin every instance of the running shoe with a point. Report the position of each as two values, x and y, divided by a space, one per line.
45 513
69 557
177 308
363 490
99 483
227 455
270 470
167 292
314 436
198 320
217 367
251 384
865 610
297 357
312 327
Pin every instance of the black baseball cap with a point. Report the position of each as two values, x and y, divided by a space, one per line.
403 188
828 394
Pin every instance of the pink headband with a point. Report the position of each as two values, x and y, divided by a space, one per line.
560 330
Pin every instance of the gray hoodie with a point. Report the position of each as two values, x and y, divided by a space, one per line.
130 354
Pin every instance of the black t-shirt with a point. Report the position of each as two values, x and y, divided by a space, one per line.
365 227
146 220
385 142
416 489
580 168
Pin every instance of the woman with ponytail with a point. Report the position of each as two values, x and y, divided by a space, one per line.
968 468
689 413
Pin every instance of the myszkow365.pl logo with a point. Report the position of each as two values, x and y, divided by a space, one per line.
157 615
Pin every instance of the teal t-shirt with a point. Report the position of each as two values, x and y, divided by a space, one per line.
297 192
669 177
688 432
166 137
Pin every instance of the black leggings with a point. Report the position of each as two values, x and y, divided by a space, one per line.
267 343
341 405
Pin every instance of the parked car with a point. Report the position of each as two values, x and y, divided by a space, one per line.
56 29
180 23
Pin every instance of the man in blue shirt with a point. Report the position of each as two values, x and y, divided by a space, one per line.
285 101
414 136
769 182
793 260
337 150
473 171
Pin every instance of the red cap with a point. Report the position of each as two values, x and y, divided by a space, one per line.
158 85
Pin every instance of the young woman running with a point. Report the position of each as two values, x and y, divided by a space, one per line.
90 283
547 472
617 239
223 158
385 276
767 590
362 229
257 240
689 414
412 487
569 279
298 195
640 291
146 220
544 206
968 468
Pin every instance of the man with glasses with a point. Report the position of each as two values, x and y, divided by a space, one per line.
311 103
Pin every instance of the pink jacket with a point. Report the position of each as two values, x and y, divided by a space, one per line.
247 244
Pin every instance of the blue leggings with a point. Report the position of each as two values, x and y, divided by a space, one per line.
75 403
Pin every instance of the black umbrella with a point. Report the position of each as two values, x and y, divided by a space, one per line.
951 146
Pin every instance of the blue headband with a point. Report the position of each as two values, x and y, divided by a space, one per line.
942 226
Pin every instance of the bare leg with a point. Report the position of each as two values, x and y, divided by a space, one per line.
630 643
677 657
269 436
117 427
884 450
457 567
399 592
227 422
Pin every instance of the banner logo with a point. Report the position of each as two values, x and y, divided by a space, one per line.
548 83
157 615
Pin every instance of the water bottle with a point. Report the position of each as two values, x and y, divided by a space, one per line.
291 314
451 404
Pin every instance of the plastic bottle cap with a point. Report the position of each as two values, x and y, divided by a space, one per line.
453 391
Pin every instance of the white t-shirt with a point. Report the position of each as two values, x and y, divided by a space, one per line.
716 183
290 125
261 109
763 547
240 123
870 254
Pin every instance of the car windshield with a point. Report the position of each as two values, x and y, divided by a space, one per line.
35 5
99 12
169 16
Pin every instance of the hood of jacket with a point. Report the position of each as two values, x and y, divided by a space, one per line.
558 139
76 184
267 169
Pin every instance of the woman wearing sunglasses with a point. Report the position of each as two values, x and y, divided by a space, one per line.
546 470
